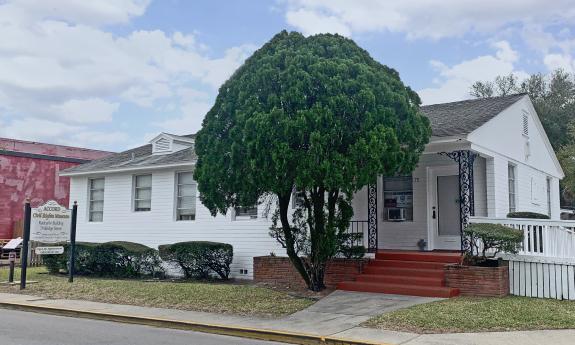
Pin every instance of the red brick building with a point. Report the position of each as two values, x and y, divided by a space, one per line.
32 169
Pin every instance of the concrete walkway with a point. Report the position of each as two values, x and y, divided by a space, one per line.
338 315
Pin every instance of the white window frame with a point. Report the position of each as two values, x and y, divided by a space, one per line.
178 197
512 181
548 186
247 215
91 190
405 195
135 187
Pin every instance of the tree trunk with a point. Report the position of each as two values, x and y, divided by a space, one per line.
296 261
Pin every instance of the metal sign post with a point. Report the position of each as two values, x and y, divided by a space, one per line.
73 241
26 240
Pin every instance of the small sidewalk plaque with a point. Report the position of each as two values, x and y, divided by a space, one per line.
50 223
49 250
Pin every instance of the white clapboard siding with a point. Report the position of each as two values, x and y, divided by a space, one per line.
248 237
542 277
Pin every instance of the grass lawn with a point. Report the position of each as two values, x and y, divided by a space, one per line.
475 314
241 299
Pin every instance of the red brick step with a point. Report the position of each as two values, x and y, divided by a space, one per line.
444 257
399 271
389 279
424 291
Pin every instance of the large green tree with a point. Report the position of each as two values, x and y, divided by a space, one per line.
317 115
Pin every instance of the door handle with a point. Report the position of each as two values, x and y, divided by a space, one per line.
433 215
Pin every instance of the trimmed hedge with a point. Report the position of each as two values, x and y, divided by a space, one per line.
494 238
199 259
113 259
529 215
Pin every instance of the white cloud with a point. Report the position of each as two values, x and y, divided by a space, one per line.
312 22
194 105
424 19
59 62
563 61
90 110
60 133
453 82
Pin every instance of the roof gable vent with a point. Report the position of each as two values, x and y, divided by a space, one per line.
162 145
525 125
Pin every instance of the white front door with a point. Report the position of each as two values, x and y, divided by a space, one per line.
445 211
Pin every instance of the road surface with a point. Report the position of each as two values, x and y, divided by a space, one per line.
26 328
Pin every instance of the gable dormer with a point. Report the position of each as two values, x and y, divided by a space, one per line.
166 143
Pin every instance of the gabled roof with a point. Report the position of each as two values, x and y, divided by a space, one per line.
463 117
138 158
447 119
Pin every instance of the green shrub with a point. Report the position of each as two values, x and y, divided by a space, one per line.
114 259
199 259
347 245
530 215
490 239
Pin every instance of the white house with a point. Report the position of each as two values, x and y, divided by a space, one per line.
486 157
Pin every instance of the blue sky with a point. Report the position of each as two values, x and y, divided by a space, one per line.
111 74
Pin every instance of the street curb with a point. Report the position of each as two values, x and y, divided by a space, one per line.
235 331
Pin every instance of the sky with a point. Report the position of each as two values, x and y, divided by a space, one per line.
112 74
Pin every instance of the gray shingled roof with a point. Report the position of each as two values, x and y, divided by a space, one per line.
447 119
463 117
135 158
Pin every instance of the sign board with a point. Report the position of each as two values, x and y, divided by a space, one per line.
50 223
49 250
13 244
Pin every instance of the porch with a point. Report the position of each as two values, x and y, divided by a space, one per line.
428 209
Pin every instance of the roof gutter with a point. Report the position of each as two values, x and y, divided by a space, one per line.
128 169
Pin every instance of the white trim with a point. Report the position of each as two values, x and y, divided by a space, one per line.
129 169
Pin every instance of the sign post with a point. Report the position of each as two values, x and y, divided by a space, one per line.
25 241
73 241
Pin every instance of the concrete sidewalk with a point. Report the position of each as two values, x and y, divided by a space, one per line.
336 316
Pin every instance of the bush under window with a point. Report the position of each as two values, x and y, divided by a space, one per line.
113 259
199 259
529 215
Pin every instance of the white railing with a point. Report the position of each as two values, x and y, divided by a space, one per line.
542 237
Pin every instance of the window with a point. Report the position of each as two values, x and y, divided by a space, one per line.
186 196
398 198
142 193
96 200
297 198
511 181
246 212
549 197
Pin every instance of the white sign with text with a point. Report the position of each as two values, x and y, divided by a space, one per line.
50 223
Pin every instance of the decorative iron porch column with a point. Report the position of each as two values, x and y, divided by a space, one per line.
465 160
372 218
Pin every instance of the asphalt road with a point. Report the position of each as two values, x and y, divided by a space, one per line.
25 328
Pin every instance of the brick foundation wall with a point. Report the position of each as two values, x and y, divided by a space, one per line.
279 270
478 281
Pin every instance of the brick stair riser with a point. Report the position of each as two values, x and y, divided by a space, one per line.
404 272
443 292
418 257
407 264
405 280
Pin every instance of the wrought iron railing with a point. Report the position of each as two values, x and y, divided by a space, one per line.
359 228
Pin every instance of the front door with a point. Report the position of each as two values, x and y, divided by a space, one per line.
445 212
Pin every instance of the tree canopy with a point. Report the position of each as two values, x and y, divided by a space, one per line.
317 114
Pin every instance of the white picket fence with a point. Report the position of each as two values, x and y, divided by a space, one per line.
542 277
545 265
542 237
